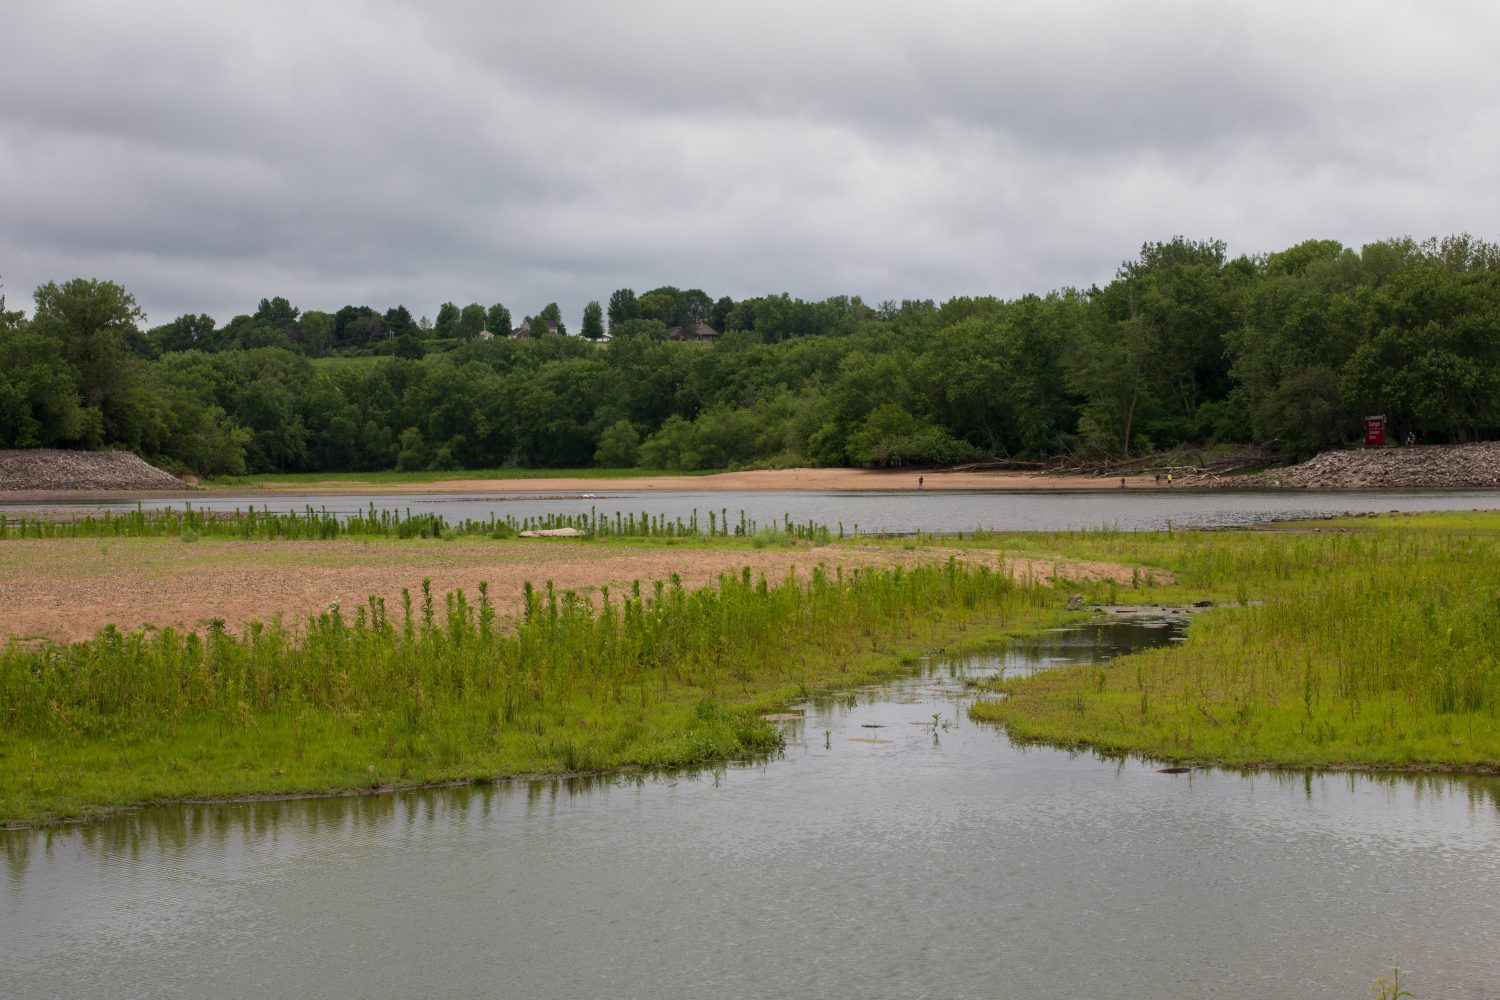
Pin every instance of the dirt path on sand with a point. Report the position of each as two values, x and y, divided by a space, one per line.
68 589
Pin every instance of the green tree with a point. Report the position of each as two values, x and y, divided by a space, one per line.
357 326
184 425
471 321
1182 297
619 446
719 317
671 447
892 436
315 331
95 324
561 407
994 378
593 322
623 307
413 451
398 322
264 392
1304 412
1430 360
645 329
279 314
1111 369
653 375
1303 318
661 304
725 436
39 399
694 306
94 321
865 379
247 333
367 329
549 320
448 315
185 333
497 320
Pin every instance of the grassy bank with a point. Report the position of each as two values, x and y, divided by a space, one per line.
1371 642
344 480
442 689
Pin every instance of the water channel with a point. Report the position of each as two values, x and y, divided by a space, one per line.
884 511
895 850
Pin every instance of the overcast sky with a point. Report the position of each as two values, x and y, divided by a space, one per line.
207 154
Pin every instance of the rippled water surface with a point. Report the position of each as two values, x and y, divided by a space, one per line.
885 855
906 511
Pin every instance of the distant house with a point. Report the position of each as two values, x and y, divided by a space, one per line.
486 335
523 332
696 333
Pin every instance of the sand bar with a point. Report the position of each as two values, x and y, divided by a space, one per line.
67 589
761 480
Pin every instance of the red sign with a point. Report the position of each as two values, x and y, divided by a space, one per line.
1374 432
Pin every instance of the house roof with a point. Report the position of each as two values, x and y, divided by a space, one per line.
523 331
693 331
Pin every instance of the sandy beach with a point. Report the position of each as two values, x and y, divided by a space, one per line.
761 480
778 480
66 589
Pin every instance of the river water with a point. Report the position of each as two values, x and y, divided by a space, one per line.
883 855
895 512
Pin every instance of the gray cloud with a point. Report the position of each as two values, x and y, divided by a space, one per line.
205 155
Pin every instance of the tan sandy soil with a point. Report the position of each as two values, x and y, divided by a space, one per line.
766 480
68 589
769 480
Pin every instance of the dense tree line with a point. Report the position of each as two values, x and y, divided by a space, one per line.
1185 345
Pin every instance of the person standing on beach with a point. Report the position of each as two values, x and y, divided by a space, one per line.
919 482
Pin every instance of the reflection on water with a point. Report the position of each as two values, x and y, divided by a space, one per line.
1093 642
895 850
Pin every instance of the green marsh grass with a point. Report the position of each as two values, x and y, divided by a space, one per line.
1373 648
310 524
441 688
307 480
